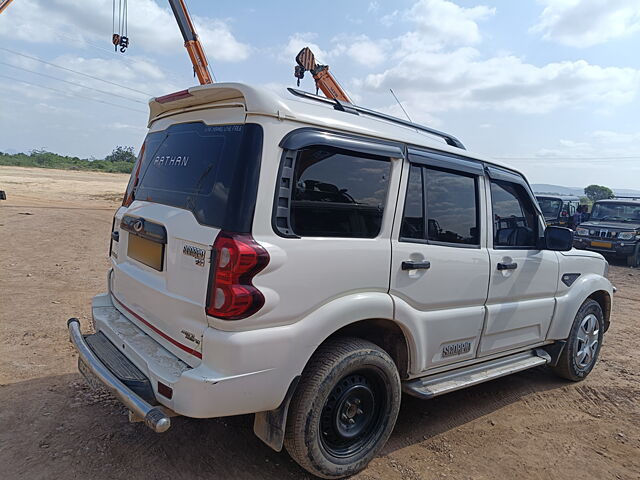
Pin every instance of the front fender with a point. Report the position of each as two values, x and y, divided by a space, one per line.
569 302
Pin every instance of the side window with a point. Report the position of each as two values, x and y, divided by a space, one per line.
514 216
413 218
449 210
452 210
338 194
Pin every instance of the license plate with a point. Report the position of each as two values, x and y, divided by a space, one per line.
89 376
601 244
146 251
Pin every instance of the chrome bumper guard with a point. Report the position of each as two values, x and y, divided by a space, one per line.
154 417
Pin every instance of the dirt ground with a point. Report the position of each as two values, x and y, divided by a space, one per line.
54 231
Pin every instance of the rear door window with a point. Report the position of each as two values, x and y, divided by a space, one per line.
447 200
211 170
338 194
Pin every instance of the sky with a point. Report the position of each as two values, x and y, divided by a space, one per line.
551 87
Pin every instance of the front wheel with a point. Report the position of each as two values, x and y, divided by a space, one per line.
633 260
584 342
344 408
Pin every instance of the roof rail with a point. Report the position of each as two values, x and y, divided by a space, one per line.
350 108
631 197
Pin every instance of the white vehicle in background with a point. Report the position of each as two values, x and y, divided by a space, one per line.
307 261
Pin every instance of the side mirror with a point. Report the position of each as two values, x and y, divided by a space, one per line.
558 239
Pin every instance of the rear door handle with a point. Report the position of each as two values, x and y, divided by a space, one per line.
507 266
410 265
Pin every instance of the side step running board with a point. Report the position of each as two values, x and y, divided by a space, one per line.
432 386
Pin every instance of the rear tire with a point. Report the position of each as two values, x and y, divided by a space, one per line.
634 259
344 408
583 345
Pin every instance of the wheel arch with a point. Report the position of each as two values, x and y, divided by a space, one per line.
386 334
588 286
270 426
604 300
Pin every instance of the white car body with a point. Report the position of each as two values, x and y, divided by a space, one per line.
461 311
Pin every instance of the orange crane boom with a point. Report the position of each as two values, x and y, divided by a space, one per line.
188 30
306 62
4 4
191 41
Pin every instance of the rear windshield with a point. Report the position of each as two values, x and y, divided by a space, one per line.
211 170
550 206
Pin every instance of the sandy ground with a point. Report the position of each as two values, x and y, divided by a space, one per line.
54 232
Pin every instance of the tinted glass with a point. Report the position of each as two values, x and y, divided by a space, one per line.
452 215
413 218
210 170
550 206
616 212
514 218
337 194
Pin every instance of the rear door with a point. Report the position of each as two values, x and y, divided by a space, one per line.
440 264
192 182
524 278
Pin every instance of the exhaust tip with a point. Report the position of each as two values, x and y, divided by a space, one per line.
157 420
71 320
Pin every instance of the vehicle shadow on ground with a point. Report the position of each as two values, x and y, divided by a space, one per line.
59 426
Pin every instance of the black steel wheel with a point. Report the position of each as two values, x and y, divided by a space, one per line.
344 408
353 412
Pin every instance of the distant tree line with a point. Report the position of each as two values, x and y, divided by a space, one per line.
121 160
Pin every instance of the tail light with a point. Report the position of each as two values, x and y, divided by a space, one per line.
237 258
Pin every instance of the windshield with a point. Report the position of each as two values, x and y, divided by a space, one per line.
211 170
617 212
550 206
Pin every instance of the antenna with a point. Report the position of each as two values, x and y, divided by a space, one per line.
405 112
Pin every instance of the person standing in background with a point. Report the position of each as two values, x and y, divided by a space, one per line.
579 216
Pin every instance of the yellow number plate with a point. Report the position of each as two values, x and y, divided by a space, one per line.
601 244
145 251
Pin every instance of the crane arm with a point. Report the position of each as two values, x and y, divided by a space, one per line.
191 41
306 62
4 4
188 30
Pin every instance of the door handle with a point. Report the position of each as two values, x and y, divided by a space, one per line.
410 265
507 266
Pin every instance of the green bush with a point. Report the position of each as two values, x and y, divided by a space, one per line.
44 159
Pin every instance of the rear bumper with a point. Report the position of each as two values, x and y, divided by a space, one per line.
153 417
240 373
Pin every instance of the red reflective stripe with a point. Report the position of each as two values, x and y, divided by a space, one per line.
190 350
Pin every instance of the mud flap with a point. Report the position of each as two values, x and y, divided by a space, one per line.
269 426
555 350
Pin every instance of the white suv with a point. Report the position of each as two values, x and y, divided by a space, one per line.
308 260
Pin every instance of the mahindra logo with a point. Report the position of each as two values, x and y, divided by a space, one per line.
138 225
